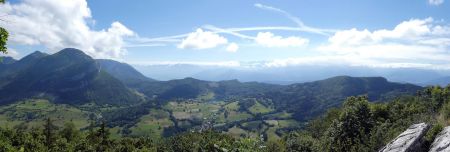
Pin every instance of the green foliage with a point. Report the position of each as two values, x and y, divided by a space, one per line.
357 126
3 39
301 142
348 133
363 126
431 134
49 134
69 132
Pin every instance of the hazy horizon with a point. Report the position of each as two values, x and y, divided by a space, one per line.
276 34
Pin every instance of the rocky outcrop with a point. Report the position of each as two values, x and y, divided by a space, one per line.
442 141
408 141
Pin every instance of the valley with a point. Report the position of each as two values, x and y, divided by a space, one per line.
91 93
224 76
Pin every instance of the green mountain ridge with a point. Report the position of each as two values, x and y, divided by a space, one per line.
135 105
122 71
69 76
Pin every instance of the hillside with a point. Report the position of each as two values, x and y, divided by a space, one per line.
69 76
310 99
122 72
305 100
134 105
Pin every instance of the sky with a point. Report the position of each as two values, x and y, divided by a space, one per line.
237 33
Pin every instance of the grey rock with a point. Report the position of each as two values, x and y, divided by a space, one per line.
442 141
408 141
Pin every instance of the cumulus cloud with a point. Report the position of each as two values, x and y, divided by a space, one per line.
435 2
202 40
12 53
268 39
232 47
413 29
412 41
58 24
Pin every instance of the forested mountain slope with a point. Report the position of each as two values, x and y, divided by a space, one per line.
69 76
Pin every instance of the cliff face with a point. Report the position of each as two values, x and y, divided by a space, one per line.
411 140
408 141
442 141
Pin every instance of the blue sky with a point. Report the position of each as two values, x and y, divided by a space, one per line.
400 33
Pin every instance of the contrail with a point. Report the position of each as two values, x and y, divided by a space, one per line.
296 20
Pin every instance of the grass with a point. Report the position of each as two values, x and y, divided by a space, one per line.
114 133
233 106
236 116
272 122
258 108
288 123
193 110
35 111
152 124
271 135
252 124
237 132
279 115
207 96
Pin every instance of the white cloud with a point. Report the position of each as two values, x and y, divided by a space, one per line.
57 24
12 53
413 29
416 43
202 40
435 2
268 39
415 39
350 60
199 63
232 47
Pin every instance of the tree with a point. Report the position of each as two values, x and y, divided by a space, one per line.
69 132
49 134
103 134
351 130
3 37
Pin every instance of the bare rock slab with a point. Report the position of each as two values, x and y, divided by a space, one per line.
408 141
442 141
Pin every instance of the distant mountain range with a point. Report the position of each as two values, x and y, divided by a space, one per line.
72 77
288 74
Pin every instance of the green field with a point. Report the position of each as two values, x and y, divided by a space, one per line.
153 124
35 111
258 108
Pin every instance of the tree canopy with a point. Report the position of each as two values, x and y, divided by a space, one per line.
3 37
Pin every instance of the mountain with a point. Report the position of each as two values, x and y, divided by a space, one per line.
310 99
69 76
189 88
41 81
7 60
122 71
14 66
260 72
442 81
305 100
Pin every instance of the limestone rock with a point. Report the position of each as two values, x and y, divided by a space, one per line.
408 141
442 141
